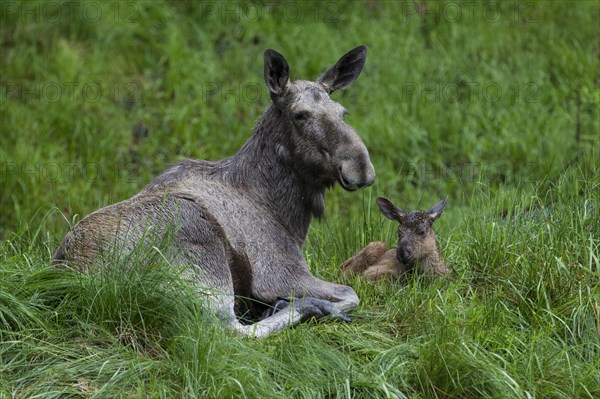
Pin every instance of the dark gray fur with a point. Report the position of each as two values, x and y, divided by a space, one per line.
240 222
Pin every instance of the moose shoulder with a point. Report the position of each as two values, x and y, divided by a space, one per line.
240 222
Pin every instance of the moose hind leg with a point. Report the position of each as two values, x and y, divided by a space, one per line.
363 259
203 252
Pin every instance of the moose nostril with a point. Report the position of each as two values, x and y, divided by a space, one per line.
345 182
403 255
349 177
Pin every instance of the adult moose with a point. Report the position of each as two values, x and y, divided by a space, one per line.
239 223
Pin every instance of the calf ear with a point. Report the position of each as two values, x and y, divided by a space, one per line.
390 210
277 74
345 71
437 209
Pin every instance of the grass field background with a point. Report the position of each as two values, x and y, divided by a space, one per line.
495 105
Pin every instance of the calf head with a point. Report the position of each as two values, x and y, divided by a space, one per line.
321 145
417 241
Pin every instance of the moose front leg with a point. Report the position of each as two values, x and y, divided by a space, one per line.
322 307
325 299
341 297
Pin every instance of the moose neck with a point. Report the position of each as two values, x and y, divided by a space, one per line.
265 167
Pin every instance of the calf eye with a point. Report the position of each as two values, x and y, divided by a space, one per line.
300 116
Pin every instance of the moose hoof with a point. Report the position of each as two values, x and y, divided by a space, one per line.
308 307
315 307
281 303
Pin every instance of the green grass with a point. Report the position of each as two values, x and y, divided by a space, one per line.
496 108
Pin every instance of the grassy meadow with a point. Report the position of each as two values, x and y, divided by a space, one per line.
493 104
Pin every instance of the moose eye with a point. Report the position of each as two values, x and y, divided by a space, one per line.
300 116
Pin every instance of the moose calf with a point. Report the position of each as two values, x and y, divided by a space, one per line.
417 246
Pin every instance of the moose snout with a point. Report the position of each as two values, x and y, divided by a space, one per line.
354 175
351 161
404 254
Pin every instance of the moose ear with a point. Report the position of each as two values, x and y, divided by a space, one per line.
277 74
390 210
437 209
345 71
